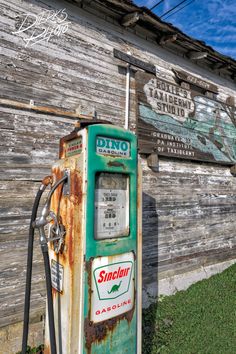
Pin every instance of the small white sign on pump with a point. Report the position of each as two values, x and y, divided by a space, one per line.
113 147
112 286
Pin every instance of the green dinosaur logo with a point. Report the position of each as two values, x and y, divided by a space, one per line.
115 288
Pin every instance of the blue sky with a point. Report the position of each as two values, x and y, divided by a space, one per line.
213 21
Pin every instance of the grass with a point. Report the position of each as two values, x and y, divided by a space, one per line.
200 320
35 350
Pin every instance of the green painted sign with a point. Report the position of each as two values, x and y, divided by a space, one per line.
181 122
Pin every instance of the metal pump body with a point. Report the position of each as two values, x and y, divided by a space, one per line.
93 248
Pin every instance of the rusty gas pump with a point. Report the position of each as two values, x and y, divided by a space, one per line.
93 267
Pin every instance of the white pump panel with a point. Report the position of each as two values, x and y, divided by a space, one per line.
111 205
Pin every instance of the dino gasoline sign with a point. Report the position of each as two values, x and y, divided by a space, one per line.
112 286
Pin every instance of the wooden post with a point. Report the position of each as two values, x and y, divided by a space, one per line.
233 170
153 162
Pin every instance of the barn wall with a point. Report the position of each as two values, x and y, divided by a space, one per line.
189 207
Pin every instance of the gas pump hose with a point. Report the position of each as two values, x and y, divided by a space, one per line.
46 181
51 323
40 224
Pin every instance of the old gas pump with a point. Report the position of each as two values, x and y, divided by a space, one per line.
94 251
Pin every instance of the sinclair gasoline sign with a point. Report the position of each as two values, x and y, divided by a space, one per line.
176 121
112 286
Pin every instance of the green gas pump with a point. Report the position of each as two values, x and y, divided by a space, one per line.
111 254
94 242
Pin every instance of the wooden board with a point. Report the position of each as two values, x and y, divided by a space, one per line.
179 122
188 218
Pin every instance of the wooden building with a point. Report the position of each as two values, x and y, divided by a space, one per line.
61 60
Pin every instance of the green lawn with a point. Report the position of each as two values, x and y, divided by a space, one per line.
200 320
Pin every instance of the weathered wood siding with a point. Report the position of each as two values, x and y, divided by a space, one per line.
188 208
28 144
188 218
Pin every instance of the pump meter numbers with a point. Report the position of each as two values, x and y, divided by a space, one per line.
111 206
109 212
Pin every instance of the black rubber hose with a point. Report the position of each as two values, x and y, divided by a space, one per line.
44 248
51 323
29 268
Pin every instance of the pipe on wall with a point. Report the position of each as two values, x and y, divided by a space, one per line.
127 97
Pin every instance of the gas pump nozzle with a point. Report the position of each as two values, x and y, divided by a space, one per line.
41 223
56 230
47 215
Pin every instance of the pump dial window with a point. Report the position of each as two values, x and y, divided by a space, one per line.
111 205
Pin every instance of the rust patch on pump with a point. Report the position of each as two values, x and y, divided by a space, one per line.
70 240
88 270
46 350
76 196
97 332
54 292
76 188
47 180
116 164
68 209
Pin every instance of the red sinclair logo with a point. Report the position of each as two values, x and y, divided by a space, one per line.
113 280
106 276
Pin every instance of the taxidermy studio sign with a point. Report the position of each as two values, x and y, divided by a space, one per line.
179 122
